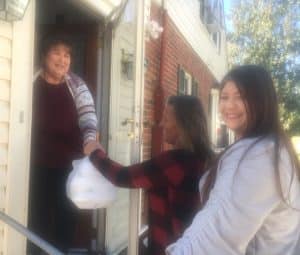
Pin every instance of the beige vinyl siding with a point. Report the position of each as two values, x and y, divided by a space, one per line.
5 85
3 134
22 52
5 90
16 69
5 47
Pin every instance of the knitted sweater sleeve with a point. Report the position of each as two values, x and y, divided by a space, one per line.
85 106
243 196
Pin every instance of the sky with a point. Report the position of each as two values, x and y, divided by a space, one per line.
227 6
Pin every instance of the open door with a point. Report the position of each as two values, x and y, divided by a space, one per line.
82 28
121 136
123 94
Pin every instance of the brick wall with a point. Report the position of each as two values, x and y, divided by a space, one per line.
152 76
173 52
180 53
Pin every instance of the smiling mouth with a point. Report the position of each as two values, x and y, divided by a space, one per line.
232 117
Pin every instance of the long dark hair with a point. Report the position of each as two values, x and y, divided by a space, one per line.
191 119
258 92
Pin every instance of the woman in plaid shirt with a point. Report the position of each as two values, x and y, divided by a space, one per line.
171 178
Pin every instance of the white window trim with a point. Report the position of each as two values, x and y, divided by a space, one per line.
215 122
188 85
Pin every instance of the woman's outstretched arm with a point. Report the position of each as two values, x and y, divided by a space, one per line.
158 171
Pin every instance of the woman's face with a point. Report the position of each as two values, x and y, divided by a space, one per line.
170 126
57 61
233 109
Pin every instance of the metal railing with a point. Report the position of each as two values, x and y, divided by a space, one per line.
45 246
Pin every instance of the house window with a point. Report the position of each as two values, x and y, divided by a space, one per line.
214 116
212 16
202 10
216 37
187 85
195 91
220 135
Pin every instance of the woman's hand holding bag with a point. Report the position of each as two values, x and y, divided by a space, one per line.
87 188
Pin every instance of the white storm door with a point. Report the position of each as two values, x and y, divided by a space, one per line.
122 132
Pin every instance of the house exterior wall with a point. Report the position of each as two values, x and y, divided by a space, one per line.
151 81
16 69
6 36
186 17
174 49
20 126
178 53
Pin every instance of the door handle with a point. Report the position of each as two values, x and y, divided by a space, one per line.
127 121
130 135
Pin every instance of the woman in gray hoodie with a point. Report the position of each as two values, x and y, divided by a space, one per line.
251 196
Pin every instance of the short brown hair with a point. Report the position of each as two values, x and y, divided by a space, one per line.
53 40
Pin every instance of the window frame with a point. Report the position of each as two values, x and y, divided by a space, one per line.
187 84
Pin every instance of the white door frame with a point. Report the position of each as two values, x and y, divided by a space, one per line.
135 195
104 106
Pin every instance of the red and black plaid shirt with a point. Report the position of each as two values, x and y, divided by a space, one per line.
171 180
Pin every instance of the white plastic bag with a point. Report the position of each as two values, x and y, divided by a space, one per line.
87 187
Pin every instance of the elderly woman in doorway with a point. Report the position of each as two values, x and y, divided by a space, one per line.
64 125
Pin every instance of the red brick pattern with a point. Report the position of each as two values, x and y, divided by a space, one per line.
152 76
173 52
